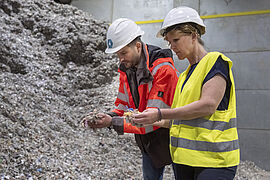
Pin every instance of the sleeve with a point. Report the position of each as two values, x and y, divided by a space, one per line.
163 86
121 103
122 100
161 94
119 122
220 67
121 126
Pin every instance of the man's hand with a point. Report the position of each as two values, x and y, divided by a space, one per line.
100 120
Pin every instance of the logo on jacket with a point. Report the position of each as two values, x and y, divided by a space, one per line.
160 94
110 43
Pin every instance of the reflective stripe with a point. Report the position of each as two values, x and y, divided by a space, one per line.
177 72
154 71
122 96
205 146
148 129
207 124
163 64
157 103
126 93
122 107
150 84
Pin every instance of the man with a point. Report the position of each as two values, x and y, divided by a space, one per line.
147 80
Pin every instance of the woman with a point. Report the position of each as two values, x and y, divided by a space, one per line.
203 135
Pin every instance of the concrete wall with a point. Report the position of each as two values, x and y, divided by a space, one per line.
245 39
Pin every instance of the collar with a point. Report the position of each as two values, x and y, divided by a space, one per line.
143 73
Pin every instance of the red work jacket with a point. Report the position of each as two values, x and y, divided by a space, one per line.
156 90
154 86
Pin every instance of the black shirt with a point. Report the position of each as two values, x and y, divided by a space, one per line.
220 67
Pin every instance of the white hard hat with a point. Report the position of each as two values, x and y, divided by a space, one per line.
180 15
120 33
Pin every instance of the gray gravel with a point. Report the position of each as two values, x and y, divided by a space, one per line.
53 71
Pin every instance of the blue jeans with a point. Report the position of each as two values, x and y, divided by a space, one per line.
149 170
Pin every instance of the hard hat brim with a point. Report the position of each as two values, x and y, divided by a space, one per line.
113 50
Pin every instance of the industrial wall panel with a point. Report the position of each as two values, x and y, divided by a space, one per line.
101 9
150 34
139 10
251 69
238 34
254 146
190 3
209 7
253 109
163 8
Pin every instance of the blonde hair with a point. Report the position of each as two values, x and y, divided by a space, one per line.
188 28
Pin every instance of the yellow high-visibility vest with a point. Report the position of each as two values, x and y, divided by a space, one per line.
210 141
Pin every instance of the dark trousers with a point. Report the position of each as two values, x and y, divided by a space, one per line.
184 172
149 170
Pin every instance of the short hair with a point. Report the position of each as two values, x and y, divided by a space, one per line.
134 41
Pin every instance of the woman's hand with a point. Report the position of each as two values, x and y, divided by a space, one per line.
147 117
165 123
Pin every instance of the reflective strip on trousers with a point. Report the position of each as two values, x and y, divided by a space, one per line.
204 146
208 124
156 103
